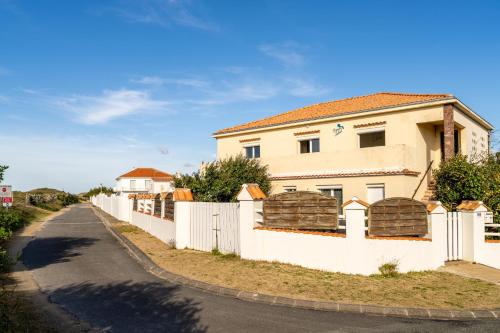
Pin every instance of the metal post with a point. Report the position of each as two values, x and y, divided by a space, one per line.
216 231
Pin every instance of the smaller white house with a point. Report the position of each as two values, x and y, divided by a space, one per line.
144 180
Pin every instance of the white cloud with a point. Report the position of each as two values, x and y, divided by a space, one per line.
164 13
158 81
77 162
305 88
110 105
288 53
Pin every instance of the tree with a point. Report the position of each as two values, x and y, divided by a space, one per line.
461 178
99 189
2 170
221 181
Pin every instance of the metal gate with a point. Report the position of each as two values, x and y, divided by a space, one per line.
454 236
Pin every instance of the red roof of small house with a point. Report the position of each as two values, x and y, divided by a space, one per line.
148 173
339 107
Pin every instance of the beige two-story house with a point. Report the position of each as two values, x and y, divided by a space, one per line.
373 146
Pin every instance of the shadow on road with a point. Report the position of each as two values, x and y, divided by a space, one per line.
131 307
42 252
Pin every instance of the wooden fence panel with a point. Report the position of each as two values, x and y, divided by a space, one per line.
157 206
397 217
169 207
301 210
215 224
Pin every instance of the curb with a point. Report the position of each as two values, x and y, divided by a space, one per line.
418 313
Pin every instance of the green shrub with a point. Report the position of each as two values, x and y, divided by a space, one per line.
99 189
221 181
216 252
4 261
462 178
10 219
389 269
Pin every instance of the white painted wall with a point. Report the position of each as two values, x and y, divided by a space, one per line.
123 185
115 205
476 249
352 254
162 229
490 255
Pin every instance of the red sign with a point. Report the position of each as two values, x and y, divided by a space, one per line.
7 199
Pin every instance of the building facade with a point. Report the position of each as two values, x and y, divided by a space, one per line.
373 146
144 180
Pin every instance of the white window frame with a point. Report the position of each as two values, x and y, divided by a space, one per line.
331 188
375 185
148 182
306 138
252 145
134 186
371 130
289 188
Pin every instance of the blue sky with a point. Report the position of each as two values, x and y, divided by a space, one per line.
90 89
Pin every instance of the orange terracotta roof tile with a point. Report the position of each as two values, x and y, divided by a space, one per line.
340 107
254 190
361 202
470 205
404 172
183 194
147 173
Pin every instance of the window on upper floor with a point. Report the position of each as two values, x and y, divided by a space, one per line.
309 146
132 184
252 152
149 184
372 139
290 188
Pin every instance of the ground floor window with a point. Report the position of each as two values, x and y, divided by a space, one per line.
375 192
290 188
336 192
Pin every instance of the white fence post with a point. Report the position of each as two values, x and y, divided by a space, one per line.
473 214
355 218
250 197
182 218
438 216
355 210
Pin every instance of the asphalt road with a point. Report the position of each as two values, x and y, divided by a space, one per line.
85 270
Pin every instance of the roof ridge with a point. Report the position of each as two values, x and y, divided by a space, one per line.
341 103
412 94
303 107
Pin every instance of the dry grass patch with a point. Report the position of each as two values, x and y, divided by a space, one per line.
418 289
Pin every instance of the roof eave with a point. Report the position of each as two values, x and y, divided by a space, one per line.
406 106
474 115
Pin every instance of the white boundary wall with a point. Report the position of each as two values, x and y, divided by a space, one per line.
162 229
352 254
476 249
115 205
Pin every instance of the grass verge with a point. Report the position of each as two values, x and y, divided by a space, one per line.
17 313
429 289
